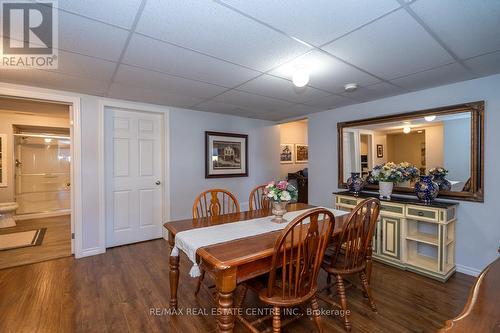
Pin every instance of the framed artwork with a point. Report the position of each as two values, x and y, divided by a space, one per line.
301 153
380 151
286 153
226 155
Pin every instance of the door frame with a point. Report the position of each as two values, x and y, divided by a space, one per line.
74 102
134 107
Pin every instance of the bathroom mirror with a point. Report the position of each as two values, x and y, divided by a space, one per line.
446 142
3 162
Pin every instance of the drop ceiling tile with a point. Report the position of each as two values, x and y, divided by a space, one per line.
271 116
84 66
434 77
487 64
52 80
81 35
170 84
391 47
315 22
120 13
208 27
330 102
469 28
275 87
153 54
216 107
252 102
376 91
326 72
154 96
302 109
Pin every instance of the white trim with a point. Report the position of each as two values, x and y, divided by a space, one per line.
11 90
467 270
42 215
92 251
138 107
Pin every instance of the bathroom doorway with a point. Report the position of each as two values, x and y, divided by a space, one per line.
35 222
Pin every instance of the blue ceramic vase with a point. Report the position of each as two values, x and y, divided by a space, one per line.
426 189
443 183
355 183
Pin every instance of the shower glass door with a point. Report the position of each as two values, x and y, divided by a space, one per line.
42 164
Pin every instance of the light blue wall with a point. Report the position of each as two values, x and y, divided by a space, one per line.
478 227
457 145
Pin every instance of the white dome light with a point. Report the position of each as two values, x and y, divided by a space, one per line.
406 129
300 77
429 118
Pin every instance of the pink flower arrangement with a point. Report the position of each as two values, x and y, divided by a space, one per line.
281 191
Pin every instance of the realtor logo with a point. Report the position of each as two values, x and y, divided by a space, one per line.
29 32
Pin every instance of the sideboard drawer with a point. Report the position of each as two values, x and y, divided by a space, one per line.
422 213
391 209
348 201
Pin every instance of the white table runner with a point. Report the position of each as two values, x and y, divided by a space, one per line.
190 241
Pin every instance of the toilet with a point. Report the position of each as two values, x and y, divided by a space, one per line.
7 211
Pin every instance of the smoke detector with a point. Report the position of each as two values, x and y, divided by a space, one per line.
350 87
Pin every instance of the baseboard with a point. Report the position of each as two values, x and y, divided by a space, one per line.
92 252
42 215
467 270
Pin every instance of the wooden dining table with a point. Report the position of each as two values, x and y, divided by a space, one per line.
231 262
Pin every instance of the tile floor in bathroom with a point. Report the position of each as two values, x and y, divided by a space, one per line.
56 243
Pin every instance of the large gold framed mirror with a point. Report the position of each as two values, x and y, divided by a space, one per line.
450 137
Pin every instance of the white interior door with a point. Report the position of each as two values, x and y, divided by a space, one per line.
134 182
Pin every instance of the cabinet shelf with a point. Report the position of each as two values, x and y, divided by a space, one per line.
422 237
424 262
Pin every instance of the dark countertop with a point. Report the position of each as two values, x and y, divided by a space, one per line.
401 199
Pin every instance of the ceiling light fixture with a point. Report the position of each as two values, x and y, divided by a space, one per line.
350 87
47 140
300 77
430 118
406 129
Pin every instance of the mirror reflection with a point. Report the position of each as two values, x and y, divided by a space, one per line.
437 145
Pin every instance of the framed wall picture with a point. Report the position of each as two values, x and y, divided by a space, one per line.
286 153
301 153
380 151
226 155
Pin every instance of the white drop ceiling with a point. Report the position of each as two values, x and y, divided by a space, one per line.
238 56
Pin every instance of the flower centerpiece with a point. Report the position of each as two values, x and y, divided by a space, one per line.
438 175
387 174
280 193
410 174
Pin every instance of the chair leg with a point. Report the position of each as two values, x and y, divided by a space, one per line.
343 302
242 296
200 280
316 315
366 289
276 320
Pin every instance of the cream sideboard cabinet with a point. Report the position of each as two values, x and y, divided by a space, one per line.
412 235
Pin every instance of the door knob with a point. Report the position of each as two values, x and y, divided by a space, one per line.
158 182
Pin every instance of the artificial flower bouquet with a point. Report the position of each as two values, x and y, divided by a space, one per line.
389 172
410 172
281 191
438 172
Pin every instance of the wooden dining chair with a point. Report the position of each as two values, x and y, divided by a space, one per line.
215 202
258 199
351 252
292 281
211 203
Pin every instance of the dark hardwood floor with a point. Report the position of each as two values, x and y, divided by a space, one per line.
119 290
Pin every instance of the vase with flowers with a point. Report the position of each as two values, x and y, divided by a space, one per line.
438 176
410 174
280 193
386 175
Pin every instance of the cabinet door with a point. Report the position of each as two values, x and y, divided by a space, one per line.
390 237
